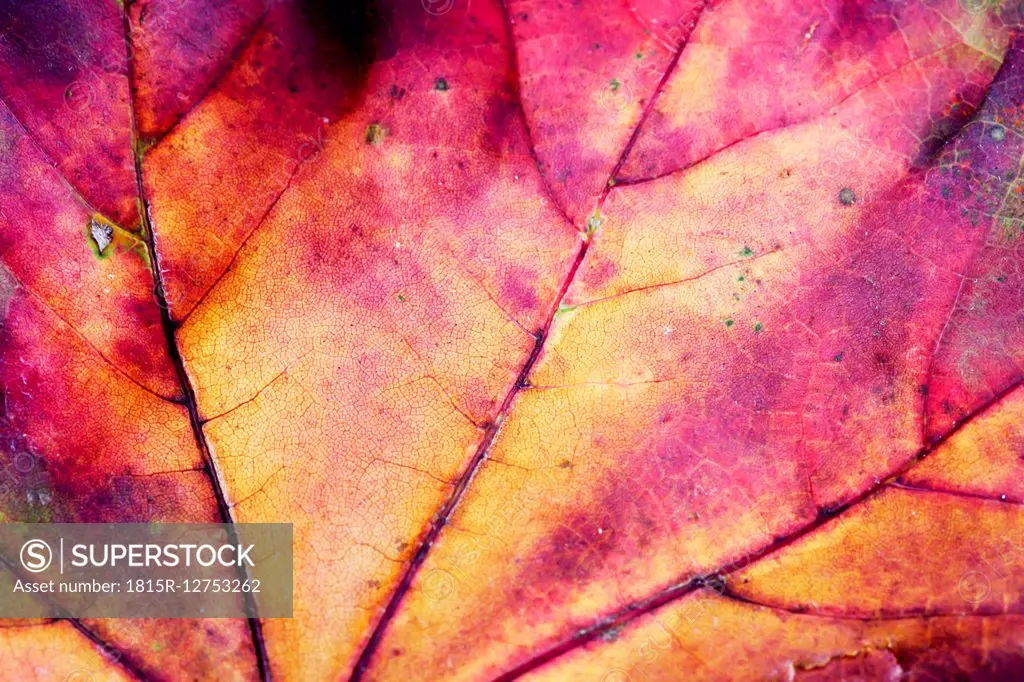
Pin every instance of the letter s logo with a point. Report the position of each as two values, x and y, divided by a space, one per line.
36 556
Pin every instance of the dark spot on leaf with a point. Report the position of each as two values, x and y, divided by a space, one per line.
348 37
611 634
441 84
715 582
828 512
375 133
847 196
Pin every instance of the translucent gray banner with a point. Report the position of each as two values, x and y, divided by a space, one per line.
137 570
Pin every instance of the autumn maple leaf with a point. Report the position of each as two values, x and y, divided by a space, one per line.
616 340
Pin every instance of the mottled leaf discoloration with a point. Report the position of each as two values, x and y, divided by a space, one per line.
578 340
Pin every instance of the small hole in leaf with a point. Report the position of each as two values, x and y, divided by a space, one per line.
101 233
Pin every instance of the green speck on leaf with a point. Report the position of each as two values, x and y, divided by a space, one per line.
142 146
747 252
729 322
740 278
1011 227
758 327
564 309
998 133
594 222
639 55
615 85
401 299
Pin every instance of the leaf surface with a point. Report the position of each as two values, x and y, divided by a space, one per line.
548 325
